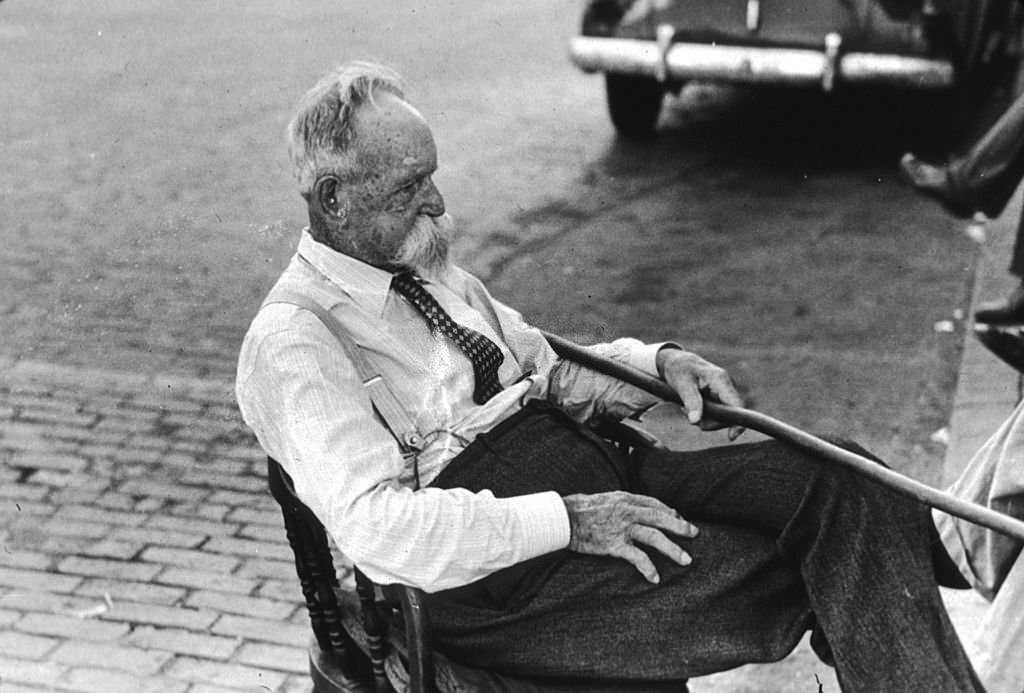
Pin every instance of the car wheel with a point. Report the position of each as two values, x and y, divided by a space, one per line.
634 104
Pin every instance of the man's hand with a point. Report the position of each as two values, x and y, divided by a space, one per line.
613 524
693 379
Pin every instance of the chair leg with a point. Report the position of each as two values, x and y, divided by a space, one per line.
376 629
417 640
328 677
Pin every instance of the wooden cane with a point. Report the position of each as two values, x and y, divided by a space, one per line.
748 418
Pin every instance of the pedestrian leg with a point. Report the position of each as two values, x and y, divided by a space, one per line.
864 554
989 172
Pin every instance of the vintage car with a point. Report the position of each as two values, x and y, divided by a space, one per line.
646 48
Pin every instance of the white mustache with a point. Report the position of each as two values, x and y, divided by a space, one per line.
426 246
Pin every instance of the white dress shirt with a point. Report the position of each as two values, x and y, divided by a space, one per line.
307 406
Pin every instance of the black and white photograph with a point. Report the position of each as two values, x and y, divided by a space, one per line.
440 347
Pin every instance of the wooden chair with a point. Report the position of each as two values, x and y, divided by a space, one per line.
377 638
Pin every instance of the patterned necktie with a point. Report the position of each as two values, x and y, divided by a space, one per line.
484 354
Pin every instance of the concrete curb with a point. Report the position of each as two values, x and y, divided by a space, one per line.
987 389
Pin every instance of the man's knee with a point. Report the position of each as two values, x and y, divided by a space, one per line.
843 481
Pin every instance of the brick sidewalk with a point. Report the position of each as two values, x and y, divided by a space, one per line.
139 549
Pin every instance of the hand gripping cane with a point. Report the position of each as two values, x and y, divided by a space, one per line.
738 416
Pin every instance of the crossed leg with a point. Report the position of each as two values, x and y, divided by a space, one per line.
786 543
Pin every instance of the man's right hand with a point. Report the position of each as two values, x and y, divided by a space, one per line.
614 523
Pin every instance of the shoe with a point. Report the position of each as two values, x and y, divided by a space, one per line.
933 181
1008 311
1005 342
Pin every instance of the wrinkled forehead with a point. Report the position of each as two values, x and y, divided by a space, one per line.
392 138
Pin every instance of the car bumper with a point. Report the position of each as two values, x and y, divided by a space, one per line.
665 59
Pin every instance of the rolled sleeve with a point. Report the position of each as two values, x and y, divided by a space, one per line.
586 394
645 356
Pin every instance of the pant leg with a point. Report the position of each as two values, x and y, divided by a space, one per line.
782 536
863 554
987 175
596 618
566 615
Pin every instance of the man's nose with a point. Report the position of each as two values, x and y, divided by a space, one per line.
433 201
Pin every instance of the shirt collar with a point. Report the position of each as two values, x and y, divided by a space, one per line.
366 284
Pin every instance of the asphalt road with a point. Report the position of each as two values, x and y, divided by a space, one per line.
146 205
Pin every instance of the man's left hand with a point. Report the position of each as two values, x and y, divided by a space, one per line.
694 378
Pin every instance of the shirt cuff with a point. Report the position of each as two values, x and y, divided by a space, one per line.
544 522
645 357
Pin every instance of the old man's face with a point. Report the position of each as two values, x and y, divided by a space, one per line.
395 208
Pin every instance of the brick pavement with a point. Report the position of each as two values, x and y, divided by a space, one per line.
139 549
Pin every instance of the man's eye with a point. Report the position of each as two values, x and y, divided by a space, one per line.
404 195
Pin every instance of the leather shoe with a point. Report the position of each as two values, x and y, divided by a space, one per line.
1008 311
1005 342
933 181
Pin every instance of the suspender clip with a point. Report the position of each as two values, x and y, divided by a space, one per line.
412 440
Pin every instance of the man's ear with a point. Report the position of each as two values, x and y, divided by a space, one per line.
326 195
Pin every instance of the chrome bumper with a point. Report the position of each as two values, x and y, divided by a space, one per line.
666 59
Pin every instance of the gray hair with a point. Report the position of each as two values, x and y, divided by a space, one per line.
320 135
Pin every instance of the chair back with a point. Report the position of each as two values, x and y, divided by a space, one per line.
314 565
317 577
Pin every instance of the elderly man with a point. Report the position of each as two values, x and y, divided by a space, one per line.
467 468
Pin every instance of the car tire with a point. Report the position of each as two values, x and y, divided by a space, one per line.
634 104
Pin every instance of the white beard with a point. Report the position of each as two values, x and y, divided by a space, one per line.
425 249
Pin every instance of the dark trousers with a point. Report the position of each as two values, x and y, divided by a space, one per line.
986 176
786 544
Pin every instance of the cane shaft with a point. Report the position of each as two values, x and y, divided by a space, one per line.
779 430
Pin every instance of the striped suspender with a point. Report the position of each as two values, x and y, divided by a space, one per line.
384 400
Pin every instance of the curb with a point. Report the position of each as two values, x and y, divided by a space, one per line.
987 389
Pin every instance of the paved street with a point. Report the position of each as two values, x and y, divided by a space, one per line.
141 552
147 208
140 549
